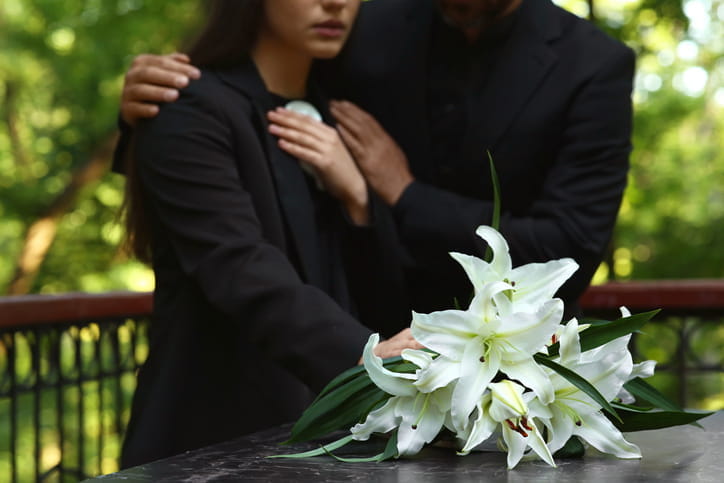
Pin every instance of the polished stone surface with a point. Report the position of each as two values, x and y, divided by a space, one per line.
684 453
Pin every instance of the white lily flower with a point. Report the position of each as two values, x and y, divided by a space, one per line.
643 370
478 343
573 412
418 416
531 284
504 405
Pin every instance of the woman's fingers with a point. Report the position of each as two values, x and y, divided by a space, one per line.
394 346
303 153
295 136
301 123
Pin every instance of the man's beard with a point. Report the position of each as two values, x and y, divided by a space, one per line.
484 18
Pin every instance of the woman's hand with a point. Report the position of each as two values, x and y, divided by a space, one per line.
394 346
320 147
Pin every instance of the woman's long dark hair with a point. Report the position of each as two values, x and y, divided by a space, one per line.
229 33
227 38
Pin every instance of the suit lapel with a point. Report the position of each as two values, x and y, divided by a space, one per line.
409 104
384 69
523 63
291 186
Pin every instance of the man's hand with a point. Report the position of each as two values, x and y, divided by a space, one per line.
319 146
378 156
153 79
394 346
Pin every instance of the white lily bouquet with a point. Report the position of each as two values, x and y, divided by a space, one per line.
505 369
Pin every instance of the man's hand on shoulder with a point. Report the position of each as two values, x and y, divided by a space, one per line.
153 79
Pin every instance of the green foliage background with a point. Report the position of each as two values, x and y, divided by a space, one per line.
61 71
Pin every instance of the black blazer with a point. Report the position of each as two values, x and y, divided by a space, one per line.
241 329
555 115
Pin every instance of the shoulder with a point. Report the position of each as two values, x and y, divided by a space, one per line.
208 102
589 40
213 93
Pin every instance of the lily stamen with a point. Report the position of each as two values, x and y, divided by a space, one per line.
524 423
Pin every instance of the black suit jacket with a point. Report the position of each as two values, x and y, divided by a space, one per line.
555 114
241 330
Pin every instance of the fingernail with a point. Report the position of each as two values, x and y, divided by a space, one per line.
195 73
170 95
181 81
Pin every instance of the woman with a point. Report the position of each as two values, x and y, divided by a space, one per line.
253 273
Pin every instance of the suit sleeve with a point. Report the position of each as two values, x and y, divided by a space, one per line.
187 158
375 275
575 211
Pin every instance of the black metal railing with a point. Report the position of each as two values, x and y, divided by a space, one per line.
685 338
67 375
68 365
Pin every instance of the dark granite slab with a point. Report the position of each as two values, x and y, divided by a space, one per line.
684 453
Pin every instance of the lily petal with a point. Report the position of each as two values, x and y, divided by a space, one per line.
532 376
526 333
482 428
507 400
538 444
600 433
441 372
394 383
516 445
412 434
479 272
570 343
380 420
420 358
643 370
445 332
501 261
537 282
474 380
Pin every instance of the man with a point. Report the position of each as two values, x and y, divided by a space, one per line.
445 82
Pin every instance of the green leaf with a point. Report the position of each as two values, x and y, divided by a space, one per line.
496 193
345 401
340 410
325 449
389 452
391 448
572 449
597 335
495 223
396 364
644 391
349 375
641 419
577 381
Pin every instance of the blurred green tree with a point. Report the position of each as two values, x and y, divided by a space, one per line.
61 70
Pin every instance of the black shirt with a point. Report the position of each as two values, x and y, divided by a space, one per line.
329 225
457 73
